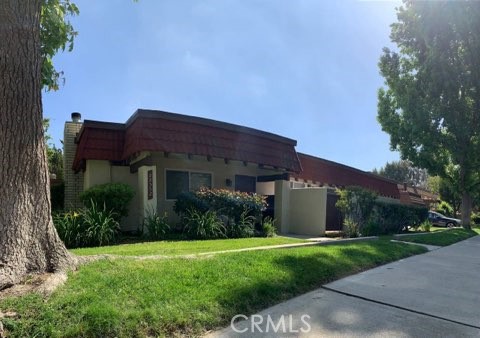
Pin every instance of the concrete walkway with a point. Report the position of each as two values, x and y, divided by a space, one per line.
436 294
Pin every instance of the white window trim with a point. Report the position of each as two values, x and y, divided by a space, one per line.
189 171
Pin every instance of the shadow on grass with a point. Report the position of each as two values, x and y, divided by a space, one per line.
304 273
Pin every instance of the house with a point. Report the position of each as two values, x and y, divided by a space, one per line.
161 154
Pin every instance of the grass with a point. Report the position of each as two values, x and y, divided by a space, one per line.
443 238
179 296
170 248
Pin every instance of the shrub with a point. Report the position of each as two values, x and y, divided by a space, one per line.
356 205
445 208
87 227
189 201
233 203
238 211
101 226
393 218
364 215
205 225
156 225
426 225
371 229
244 227
268 227
476 218
115 197
70 228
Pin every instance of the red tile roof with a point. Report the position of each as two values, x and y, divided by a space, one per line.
327 172
160 131
99 141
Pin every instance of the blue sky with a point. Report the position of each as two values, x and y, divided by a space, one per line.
304 69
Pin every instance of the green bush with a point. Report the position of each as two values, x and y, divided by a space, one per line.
204 225
189 201
115 196
356 205
445 208
70 228
237 211
475 218
268 227
392 218
371 229
91 226
243 228
426 226
156 225
233 203
101 226
364 215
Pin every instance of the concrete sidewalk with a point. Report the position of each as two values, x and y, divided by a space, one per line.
431 295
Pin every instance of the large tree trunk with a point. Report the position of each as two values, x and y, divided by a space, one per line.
28 240
466 210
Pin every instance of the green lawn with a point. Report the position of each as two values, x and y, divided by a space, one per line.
170 248
443 238
180 296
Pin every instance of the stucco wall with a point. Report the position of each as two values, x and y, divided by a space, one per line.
96 172
300 211
101 172
121 174
308 211
217 167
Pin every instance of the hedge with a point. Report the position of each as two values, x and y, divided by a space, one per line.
238 211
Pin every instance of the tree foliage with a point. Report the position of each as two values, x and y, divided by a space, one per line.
54 154
404 172
56 33
431 103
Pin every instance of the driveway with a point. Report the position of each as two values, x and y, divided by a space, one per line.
431 295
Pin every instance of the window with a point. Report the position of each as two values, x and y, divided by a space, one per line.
183 181
245 183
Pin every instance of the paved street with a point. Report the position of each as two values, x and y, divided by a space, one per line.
431 295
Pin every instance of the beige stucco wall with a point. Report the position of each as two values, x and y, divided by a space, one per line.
121 174
96 172
282 206
308 211
300 211
266 188
101 172
217 167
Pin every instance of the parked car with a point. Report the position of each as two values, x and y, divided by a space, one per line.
440 220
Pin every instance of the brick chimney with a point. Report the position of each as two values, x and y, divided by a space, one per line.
73 181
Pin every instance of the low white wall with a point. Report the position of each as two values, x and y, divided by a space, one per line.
308 211
300 211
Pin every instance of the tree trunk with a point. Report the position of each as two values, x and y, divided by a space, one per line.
466 210
28 240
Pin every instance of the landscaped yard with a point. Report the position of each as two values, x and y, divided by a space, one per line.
442 238
180 296
169 248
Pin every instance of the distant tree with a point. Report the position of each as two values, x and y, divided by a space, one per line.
31 32
450 194
433 184
431 103
404 172
54 154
